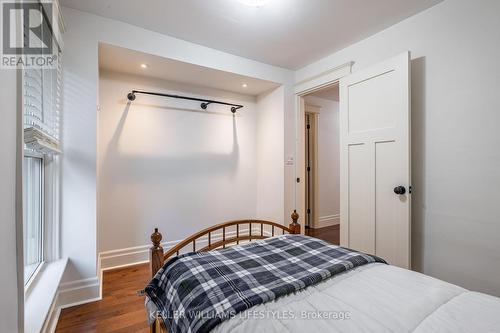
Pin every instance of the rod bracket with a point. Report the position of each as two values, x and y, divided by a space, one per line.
235 108
131 96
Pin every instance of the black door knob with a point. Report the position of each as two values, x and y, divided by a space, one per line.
400 190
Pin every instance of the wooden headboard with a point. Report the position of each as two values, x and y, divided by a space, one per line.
157 257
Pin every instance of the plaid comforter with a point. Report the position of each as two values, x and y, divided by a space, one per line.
196 291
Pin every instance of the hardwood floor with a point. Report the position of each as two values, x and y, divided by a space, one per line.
330 234
121 309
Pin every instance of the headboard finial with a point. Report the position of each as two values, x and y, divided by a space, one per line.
156 252
295 226
156 237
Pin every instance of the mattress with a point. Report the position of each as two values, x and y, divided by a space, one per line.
373 298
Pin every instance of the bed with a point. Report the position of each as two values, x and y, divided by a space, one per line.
252 275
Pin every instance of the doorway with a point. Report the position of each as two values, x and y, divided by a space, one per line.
322 164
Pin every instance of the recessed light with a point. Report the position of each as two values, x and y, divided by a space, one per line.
144 66
254 3
244 85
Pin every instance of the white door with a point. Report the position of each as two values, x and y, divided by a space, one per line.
375 160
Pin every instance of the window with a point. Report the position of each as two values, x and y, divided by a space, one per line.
42 89
33 214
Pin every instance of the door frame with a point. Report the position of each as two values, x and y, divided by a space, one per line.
313 111
303 88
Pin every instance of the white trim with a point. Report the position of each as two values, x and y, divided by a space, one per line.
324 79
84 301
313 109
71 294
50 324
77 284
123 266
328 221
52 171
127 256
135 255
52 318
78 292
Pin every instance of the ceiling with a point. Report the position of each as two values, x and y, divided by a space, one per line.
285 33
123 60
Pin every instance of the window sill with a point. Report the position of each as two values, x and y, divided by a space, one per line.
42 292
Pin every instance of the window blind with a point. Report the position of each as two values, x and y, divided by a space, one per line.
42 88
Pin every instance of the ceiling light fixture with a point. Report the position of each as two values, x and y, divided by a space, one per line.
244 85
144 66
254 3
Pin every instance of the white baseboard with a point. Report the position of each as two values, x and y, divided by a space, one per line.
78 292
140 254
327 221
52 318
127 256
71 294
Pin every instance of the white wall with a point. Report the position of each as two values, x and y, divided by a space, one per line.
455 139
270 148
11 273
328 158
79 178
166 163
79 143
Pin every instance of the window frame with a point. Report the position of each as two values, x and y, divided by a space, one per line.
51 166
51 246
50 243
32 277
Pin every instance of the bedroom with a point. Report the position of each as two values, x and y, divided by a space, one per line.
121 168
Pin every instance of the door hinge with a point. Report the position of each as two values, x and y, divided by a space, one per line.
308 168
308 211
308 126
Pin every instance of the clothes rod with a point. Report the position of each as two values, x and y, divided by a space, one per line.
205 102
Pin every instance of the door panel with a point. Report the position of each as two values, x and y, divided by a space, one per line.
367 111
375 158
361 228
387 168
